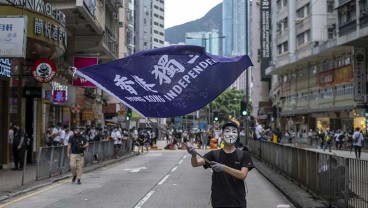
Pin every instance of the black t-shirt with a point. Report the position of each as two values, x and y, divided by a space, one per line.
17 135
76 143
228 191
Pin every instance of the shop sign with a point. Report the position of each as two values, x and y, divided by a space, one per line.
44 70
76 108
50 31
56 86
5 67
81 62
366 121
47 94
325 78
13 36
41 7
59 96
32 92
359 74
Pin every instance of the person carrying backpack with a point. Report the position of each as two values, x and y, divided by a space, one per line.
230 168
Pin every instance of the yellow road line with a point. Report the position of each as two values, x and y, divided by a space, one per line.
32 194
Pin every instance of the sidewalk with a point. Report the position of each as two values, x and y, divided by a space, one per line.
11 180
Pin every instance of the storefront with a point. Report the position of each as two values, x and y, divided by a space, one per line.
4 110
43 37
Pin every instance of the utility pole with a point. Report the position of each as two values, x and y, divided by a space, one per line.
246 124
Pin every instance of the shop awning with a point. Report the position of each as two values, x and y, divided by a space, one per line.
320 110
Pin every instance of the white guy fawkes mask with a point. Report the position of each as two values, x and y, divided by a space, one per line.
230 134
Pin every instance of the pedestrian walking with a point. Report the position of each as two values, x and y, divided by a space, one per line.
230 168
327 140
76 146
19 147
358 140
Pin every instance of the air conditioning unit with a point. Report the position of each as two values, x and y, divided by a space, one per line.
115 16
299 19
121 24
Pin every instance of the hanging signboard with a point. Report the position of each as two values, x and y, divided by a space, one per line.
81 62
13 36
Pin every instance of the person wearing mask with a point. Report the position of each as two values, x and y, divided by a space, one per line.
76 146
19 147
230 168
56 131
116 136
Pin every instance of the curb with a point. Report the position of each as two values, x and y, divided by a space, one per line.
68 175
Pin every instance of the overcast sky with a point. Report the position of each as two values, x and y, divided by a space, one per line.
181 11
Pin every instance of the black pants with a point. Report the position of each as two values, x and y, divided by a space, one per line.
18 156
358 150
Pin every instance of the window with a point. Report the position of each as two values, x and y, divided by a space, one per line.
286 47
284 2
330 33
303 38
330 6
285 23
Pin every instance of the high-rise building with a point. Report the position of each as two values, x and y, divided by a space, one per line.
149 24
209 40
234 23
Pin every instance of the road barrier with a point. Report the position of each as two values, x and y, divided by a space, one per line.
343 182
53 160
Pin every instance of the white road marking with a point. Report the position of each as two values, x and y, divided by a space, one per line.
174 169
145 198
180 161
283 206
163 180
135 170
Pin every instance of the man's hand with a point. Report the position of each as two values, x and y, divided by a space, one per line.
192 151
217 167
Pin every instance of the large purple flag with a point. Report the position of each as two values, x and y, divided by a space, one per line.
167 82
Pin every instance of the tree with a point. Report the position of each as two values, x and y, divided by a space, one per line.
226 104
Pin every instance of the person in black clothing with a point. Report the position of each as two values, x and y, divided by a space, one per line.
230 168
19 147
76 146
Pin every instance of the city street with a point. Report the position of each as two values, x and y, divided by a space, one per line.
162 178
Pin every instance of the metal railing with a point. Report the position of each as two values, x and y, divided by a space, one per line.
53 160
343 182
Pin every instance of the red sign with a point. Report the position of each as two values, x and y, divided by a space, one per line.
81 62
44 70
76 108
59 96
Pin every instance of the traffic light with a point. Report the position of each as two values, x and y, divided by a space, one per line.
215 116
128 114
243 108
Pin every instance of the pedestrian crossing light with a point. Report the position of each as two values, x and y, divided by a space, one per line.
128 114
215 116
243 108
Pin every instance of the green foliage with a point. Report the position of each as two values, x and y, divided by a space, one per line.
227 103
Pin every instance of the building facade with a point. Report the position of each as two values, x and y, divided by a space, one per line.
319 65
209 40
149 24
39 90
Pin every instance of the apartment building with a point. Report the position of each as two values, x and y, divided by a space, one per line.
318 65
149 24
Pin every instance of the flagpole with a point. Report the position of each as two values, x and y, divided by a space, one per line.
246 127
